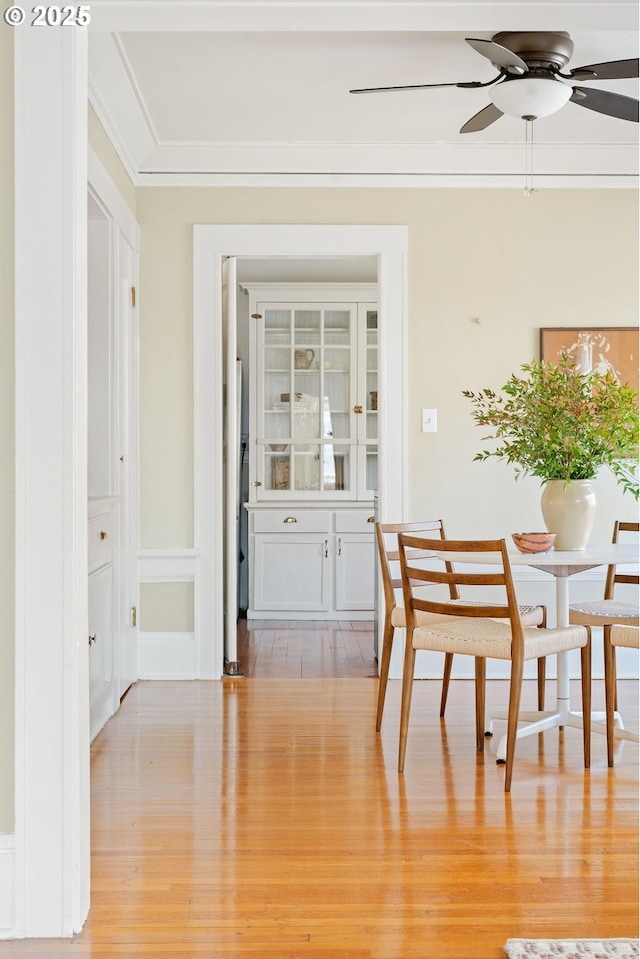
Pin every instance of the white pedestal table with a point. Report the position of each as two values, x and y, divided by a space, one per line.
562 564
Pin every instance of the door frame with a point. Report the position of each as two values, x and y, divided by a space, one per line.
211 244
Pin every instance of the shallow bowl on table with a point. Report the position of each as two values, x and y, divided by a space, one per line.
534 542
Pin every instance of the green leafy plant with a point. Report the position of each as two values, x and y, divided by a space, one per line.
560 424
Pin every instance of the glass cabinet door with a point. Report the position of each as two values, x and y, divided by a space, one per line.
368 443
306 430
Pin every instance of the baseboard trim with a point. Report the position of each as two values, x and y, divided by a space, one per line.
7 886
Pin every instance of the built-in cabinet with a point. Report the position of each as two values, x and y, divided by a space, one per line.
111 544
313 442
101 612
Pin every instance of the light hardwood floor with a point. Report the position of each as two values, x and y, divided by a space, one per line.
265 819
306 649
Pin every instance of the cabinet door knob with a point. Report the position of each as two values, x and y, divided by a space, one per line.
357 409
371 519
93 639
103 534
289 519
257 483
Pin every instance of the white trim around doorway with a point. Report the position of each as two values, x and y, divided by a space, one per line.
211 244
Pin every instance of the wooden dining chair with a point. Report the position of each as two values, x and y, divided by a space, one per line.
483 630
394 615
609 611
615 636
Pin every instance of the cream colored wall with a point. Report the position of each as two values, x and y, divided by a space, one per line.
7 462
166 607
559 258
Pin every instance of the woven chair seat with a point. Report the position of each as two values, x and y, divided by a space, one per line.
607 610
530 615
491 638
628 636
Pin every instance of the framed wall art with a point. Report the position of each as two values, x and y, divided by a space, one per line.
595 348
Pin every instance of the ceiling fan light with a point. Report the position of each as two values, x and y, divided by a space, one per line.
530 96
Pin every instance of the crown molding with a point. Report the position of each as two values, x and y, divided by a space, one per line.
149 161
383 15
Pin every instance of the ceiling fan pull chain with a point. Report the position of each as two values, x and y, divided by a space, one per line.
529 188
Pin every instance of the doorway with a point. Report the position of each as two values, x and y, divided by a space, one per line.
212 245
279 270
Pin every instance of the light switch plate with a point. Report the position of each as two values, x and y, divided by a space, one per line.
429 421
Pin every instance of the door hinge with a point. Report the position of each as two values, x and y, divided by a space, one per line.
133 296
134 616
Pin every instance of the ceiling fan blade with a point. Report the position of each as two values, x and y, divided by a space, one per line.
420 86
483 119
602 101
611 70
500 56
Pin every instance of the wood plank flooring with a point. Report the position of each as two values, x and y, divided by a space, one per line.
265 819
306 649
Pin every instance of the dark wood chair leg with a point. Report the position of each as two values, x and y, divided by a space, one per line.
515 694
609 691
585 663
446 676
481 683
542 678
385 659
405 706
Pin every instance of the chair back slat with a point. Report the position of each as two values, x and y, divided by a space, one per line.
613 576
389 556
416 576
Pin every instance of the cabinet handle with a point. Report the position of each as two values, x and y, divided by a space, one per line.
371 519
103 534
326 548
93 639
339 546
256 483
290 519
357 409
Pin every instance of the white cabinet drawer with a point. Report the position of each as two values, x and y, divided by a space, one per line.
100 539
295 520
355 521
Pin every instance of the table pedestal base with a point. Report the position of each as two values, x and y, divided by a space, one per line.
539 722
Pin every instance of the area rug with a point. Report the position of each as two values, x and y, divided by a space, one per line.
572 948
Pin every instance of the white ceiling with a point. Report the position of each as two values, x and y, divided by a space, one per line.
257 92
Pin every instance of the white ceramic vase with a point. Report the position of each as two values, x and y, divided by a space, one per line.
569 511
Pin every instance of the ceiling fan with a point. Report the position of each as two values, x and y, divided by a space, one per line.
530 83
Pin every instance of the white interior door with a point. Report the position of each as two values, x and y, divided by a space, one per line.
127 592
231 466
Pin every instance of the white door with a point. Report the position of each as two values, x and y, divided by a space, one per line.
233 383
126 585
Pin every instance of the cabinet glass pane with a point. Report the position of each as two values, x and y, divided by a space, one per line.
277 472
372 327
306 327
371 468
277 326
341 458
315 466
